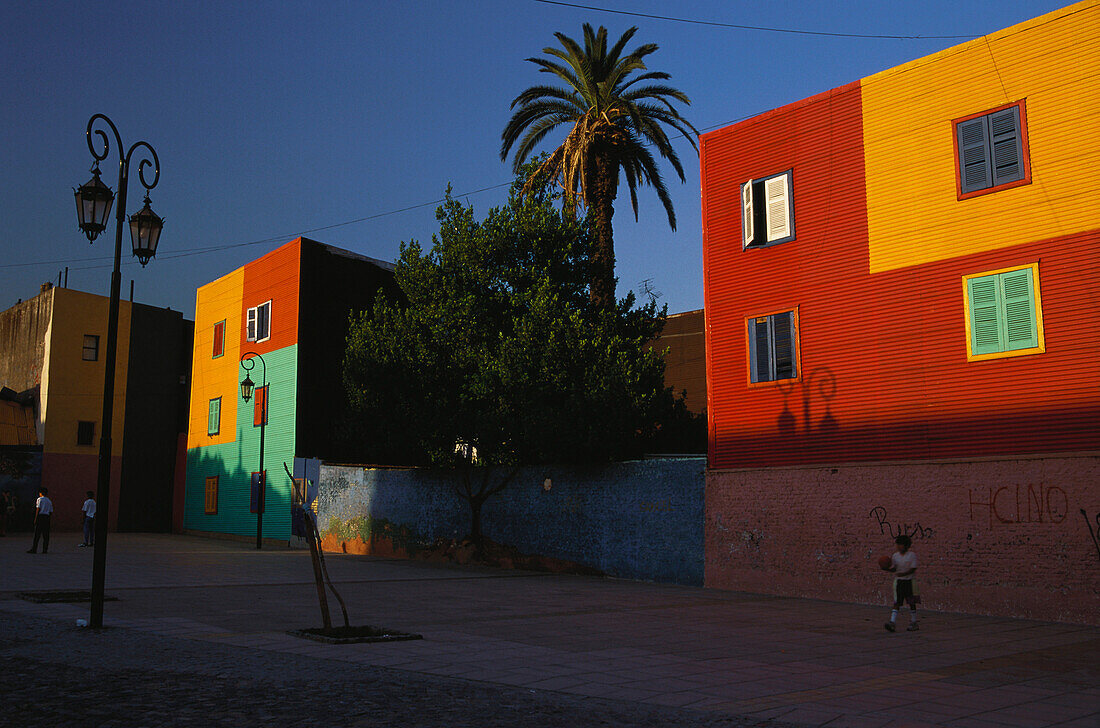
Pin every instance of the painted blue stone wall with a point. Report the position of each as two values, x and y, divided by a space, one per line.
641 519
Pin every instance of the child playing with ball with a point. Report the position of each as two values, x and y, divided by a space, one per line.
903 564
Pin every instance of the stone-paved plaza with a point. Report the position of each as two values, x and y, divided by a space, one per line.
198 637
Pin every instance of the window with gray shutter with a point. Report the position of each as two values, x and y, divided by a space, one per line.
773 347
990 150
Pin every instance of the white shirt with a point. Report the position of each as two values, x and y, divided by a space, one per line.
89 508
44 505
904 562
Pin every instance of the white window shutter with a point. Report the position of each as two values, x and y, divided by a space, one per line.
251 335
777 211
746 215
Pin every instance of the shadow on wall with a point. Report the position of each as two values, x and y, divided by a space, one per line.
226 505
1009 433
20 476
817 390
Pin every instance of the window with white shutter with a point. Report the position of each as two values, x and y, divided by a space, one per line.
1004 313
258 323
991 151
767 211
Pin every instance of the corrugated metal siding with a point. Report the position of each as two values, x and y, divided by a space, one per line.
235 461
274 277
883 355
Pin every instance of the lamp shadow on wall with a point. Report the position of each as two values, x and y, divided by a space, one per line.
817 390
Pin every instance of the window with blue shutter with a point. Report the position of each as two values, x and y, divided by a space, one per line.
1003 313
773 354
991 150
767 211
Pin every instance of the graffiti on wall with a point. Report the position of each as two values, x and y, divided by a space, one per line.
1095 534
913 531
1020 504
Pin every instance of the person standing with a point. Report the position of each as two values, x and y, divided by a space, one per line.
904 564
89 520
43 509
7 508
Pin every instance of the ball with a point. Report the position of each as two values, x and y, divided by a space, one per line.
884 562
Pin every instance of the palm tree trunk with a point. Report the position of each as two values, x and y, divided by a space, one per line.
602 289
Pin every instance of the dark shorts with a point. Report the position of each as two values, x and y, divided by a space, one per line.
906 590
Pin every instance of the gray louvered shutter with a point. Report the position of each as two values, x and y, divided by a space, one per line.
974 167
783 336
1007 144
759 350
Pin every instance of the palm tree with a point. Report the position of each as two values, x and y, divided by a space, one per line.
615 119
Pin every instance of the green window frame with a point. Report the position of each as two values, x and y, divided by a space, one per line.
1004 313
214 417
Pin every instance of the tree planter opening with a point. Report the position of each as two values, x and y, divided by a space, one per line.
352 635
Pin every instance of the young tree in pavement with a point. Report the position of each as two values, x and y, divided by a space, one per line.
614 116
497 358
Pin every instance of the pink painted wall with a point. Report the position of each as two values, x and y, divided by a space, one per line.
998 537
68 478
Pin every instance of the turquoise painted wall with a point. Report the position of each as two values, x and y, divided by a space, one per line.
235 461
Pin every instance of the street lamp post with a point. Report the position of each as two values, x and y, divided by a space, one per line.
247 388
93 205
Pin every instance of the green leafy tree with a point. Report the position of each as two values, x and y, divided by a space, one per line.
617 110
497 358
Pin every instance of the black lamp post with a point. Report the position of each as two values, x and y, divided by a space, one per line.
247 389
93 205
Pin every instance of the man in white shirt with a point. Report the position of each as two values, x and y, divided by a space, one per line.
88 510
904 565
43 509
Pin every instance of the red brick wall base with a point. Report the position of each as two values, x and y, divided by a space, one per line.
1017 537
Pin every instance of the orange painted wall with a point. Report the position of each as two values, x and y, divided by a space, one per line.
72 389
1052 64
212 377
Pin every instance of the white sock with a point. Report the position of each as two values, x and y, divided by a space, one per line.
913 616
893 616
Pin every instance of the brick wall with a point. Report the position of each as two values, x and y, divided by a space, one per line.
1016 537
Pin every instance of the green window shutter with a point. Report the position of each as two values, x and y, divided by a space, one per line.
1019 326
214 417
1007 146
974 162
985 316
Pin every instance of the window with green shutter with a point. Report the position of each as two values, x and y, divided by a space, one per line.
1003 313
991 150
773 347
214 417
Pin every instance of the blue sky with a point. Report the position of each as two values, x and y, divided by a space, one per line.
274 119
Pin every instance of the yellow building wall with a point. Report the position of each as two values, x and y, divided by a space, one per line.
72 389
1053 64
210 377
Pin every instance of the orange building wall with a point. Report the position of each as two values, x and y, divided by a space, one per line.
212 377
1052 63
274 277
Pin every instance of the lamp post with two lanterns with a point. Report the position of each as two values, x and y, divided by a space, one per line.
93 206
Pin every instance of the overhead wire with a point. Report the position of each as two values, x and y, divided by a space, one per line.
764 28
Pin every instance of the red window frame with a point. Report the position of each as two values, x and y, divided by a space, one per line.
1025 152
259 409
219 339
